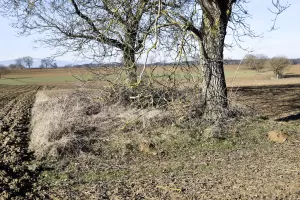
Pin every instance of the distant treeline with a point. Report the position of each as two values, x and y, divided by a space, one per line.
294 61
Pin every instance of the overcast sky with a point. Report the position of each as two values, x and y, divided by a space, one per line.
284 41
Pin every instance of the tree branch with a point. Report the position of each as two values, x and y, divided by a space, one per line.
100 37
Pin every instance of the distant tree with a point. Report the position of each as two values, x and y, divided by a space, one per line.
295 61
68 66
19 62
26 61
279 65
47 63
249 61
3 70
151 59
54 65
255 62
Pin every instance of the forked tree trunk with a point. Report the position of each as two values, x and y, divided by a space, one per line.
215 18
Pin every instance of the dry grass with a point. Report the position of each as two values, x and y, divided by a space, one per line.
64 124
60 124
70 122
67 122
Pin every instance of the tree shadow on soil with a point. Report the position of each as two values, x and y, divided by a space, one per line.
289 118
291 76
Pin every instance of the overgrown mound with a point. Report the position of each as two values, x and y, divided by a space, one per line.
115 123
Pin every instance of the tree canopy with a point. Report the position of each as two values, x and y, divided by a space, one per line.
94 29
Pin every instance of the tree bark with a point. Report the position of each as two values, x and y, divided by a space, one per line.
130 65
215 18
129 51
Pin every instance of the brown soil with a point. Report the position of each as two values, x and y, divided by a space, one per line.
277 101
18 171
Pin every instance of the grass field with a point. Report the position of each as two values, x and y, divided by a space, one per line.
235 76
44 76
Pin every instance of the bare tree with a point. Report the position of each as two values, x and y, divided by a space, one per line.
46 63
92 28
255 62
208 22
151 59
26 61
19 62
54 65
3 71
279 65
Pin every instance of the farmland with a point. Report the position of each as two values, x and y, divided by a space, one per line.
159 157
235 76
16 177
41 76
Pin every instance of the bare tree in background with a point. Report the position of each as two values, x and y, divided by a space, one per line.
279 65
255 62
26 61
47 63
19 62
54 65
207 22
94 28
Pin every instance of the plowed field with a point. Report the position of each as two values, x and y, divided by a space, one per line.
17 171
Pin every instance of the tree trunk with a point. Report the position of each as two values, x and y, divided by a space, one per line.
215 18
130 65
129 53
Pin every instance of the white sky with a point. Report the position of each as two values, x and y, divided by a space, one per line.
284 41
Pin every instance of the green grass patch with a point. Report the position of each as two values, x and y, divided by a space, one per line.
41 80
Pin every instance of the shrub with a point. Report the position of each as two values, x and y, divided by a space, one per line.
255 62
279 65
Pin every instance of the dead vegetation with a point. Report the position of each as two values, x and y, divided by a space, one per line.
62 122
70 122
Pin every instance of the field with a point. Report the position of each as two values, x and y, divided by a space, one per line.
159 156
235 76
42 76
15 113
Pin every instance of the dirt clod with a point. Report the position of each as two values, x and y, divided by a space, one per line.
277 136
